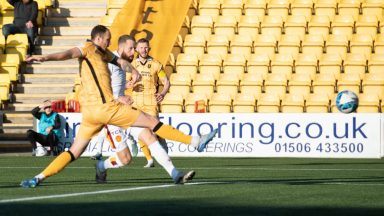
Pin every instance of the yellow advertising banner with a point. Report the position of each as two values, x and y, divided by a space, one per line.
159 21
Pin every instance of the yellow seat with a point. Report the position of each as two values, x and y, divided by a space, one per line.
343 25
10 63
324 84
376 63
372 7
172 103
194 44
5 6
220 103
330 64
252 84
326 8
241 45
292 103
202 25
373 83
232 8
355 64
302 8
306 64
192 100
367 24
362 44
265 44
209 8
116 3
337 44
187 64
255 8
218 44
17 44
258 64
379 44
2 44
317 103
210 65
228 84
203 84
368 103
226 26
319 25
234 64
300 84
244 103
282 64
313 44
180 84
6 19
5 83
349 82
272 25
278 8
296 25
349 7
276 84
268 103
289 44
249 26
107 20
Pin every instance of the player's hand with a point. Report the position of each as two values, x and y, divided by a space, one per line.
159 97
29 24
136 76
127 100
35 59
48 129
129 84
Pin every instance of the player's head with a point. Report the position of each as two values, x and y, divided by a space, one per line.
26 1
47 107
101 36
142 47
127 47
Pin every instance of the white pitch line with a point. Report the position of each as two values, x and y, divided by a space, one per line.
347 183
99 192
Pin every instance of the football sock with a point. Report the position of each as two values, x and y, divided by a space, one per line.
58 164
171 133
145 150
162 157
111 162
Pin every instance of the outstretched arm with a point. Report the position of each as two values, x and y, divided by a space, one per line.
61 56
127 67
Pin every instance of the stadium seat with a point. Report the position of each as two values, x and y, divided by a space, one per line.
249 26
296 25
268 103
187 64
272 25
194 44
228 84
232 8
218 44
330 64
343 25
5 6
10 63
255 8
258 64
265 44
337 44
234 64
72 106
276 84
252 84
313 44
292 103
367 24
317 103
244 103
278 8
372 7
373 83
192 99
107 20
282 64
362 44
319 25
368 103
349 82
6 18
220 103
324 84
302 8
209 8
307 64
17 44
210 64
326 8
203 84
300 84
289 44
379 44
241 45
355 64
376 63
2 44
202 25
349 7
180 84
172 103
5 83
225 26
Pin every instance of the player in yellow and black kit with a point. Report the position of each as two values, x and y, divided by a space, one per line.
99 108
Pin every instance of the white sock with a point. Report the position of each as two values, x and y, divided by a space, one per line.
195 141
162 157
41 177
111 162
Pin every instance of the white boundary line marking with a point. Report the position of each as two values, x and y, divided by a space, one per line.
99 192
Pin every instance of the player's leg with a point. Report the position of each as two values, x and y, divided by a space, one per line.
147 154
99 146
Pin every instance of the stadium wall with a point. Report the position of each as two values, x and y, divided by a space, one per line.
328 135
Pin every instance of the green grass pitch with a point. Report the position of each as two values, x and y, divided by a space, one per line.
224 186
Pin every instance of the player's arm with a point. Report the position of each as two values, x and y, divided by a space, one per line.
127 67
60 56
165 81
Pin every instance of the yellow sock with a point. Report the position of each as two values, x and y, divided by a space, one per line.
145 150
58 164
171 133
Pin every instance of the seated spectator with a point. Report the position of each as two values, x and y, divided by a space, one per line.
49 126
25 21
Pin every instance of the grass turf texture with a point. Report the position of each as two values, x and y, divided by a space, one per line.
243 186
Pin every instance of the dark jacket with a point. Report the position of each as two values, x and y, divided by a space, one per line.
24 12
37 114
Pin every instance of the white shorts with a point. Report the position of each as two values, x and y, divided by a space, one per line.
118 137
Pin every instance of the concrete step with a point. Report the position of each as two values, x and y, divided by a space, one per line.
44 50
48 78
77 12
66 62
55 88
18 117
57 31
14 141
81 4
62 40
22 106
52 68
73 21
37 98
16 128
